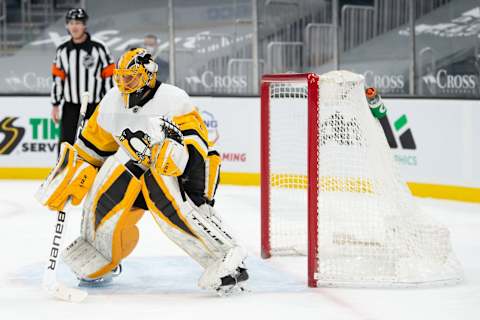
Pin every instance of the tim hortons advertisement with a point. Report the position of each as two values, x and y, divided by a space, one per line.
28 136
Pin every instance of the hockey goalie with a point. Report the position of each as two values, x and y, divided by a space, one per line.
146 147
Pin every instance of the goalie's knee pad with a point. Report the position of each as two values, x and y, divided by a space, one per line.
108 231
192 228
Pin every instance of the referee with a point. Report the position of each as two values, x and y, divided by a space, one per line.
81 64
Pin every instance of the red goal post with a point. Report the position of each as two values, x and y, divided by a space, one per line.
312 100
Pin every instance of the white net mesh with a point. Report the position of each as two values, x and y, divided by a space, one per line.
288 119
370 232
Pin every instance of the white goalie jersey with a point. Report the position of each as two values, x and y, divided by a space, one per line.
111 120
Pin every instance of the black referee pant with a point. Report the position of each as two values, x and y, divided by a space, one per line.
69 121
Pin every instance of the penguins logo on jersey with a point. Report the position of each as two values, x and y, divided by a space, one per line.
11 135
138 145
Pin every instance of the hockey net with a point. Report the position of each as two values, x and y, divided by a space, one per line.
330 189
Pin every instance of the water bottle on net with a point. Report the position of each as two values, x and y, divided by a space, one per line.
375 102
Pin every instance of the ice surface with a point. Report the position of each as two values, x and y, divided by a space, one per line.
159 280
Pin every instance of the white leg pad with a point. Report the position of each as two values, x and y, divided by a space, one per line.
83 259
196 230
210 230
192 246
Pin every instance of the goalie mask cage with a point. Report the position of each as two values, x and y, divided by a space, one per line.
330 189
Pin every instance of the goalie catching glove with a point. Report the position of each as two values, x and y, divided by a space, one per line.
72 177
170 157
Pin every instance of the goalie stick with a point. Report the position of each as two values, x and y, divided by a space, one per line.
50 282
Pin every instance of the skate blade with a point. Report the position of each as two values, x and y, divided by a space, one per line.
227 291
104 282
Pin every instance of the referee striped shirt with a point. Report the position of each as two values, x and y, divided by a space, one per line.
81 67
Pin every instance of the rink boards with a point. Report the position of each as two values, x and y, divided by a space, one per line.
433 141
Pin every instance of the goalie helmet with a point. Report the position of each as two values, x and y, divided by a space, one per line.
135 73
